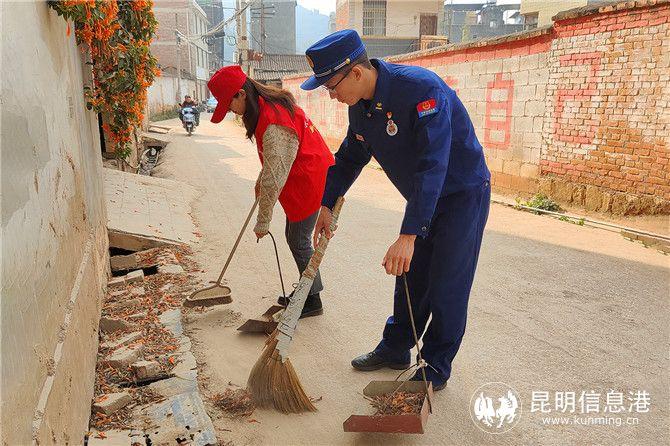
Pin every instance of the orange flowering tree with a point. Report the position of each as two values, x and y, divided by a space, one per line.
117 33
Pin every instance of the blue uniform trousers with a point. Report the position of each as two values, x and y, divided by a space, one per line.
439 281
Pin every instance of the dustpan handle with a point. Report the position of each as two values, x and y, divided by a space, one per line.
237 242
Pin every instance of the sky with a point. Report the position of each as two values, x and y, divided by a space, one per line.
328 6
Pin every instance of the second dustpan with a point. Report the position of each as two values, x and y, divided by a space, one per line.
266 322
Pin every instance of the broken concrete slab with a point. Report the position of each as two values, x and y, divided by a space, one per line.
112 324
111 402
145 212
135 276
127 339
124 356
116 282
170 269
144 370
121 263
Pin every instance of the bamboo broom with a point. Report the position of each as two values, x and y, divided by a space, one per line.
273 381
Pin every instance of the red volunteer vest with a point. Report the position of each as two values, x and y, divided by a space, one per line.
302 193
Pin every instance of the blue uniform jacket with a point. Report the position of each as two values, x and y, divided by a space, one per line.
434 153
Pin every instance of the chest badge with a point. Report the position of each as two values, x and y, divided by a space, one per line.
391 127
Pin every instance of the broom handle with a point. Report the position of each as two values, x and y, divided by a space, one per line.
237 242
320 250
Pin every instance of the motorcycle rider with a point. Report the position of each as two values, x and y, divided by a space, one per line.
189 102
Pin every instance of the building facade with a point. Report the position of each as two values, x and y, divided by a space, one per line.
538 13
178 46
391 26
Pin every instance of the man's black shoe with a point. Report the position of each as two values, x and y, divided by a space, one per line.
373 361
313 305
436 385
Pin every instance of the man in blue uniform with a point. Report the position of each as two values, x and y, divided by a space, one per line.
420 133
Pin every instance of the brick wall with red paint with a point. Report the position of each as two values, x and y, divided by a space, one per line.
578 110
606 132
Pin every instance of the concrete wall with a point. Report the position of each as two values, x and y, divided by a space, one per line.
163 92
574 110
546 9
54 239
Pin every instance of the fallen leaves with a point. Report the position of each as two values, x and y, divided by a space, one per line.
235 402
397 403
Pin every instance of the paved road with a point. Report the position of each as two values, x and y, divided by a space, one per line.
555 307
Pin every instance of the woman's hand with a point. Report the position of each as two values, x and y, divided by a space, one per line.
399 255
323 224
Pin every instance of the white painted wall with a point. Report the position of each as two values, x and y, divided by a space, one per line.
54 239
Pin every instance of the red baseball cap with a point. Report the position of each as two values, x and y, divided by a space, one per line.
224 85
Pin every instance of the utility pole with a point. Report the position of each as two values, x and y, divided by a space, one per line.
262 28
242 41
178 39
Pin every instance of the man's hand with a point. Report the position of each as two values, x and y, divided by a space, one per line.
323 224
399 256
260 235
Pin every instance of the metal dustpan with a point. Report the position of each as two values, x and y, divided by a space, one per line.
265 323
414 423
218 294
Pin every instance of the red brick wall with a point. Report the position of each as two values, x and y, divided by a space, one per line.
578 111
606 128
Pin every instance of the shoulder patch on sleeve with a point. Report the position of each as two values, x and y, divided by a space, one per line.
426 108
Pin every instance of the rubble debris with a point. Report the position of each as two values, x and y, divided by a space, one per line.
111 324
135 276
145 370
124 356
235 402
116 343
110 403
170 269
116 282
123 263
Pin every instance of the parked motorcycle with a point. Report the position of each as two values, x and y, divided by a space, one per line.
189 119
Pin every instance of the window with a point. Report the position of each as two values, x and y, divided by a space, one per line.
530 20
374 17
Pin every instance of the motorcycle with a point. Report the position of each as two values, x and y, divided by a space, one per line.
188 119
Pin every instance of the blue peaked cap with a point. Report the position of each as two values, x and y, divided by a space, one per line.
331 54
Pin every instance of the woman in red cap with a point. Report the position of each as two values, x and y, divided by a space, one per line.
294 158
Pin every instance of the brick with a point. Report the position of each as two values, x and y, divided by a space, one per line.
127 339
170 269
144 370
112 402
122 358
110 325
116 282
120 263
135 276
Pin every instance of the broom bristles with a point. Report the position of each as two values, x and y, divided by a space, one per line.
273 383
